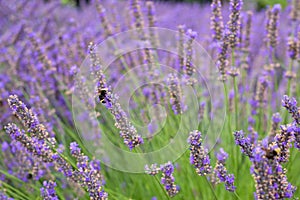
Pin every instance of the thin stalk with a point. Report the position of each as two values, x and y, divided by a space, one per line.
211 187
228 114
16 192
236 98
164 191
288 89
290 80
237 196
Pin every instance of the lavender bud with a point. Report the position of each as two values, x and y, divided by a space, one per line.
152 170
152 23
175 94
248 30
104 20
276 119
216 21
272 26
27 117
127 131
168 179
198 156
222 173
37 148
201 111
138 19
291 105
295 10
222 60
244 143
48 192
284 140
234 22
293 48
270 178
89 173
263 84
180 48
297 136
189 68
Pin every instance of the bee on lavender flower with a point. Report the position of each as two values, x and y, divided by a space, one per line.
271 153
102 95
29 176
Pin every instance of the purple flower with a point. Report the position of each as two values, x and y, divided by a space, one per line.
198 154
272 26
89 174
291 105
216 21
175 93
4 197
47 191
221 172
270 178
152 170
243 142
168 180
222 155
276 118
233 24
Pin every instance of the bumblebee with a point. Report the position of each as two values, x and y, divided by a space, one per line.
272 153
102 95
29 176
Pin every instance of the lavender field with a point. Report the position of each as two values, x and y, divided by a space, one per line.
149 100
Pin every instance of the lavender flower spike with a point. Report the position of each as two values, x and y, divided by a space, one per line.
222 60
244 143
276 119
198 156
189 68
152 23
104 20
138 19
168 180
272 26
180 48
221 171
270 178
27 117
48 192
283 140
127 131
234 22
216 21
291 105
175 94
41 150
4 197
296 130
152 170
90 174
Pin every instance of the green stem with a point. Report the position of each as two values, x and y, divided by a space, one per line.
16 192
290 80
236 98
162 187
289 89
228 114
237 196
211 187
